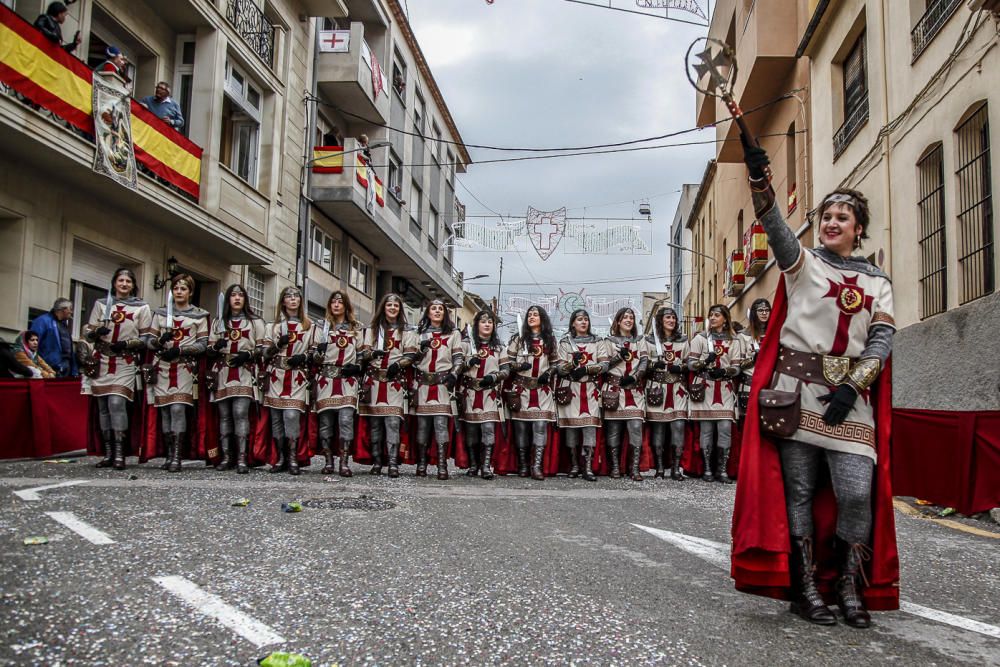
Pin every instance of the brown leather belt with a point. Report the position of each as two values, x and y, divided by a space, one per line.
526 382
814 368
431 378
665 377
472 383
331 371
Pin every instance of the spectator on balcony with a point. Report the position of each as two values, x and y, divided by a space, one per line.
55 339
164 107
26 353
50 25
10 367
116 63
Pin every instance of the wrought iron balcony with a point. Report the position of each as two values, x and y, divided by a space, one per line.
253 26
856 118
937 14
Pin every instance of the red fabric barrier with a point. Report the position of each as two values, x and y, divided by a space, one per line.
45 417
949 458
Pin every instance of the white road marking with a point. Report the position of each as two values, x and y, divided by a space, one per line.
212 606
32 494
717 554
81 528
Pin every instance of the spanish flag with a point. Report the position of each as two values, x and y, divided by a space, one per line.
361 169
379 191
51 78
328 160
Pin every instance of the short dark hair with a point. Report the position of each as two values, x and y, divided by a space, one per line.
861 212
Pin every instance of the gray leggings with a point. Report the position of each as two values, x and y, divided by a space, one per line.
440 424
344 418
234 411
851 475
538 429
384 429
173 418
723 427
285 423
484 432
112 413
572 436
613 431
659 435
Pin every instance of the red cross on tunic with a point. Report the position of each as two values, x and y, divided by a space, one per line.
668 354
537 350
180 333
629 398
851 300
342 343
479 395
390 344
436 343
585 359
293 337
119 315
721 349
235 334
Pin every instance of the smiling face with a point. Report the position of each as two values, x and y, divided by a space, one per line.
182 293
839 229
669 321
391 310
123 286
627 323
435 313
485 327
581 324
534 319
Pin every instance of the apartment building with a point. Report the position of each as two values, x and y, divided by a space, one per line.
232 195
904 101
772 87
680 240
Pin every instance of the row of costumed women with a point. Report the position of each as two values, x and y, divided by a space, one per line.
278 393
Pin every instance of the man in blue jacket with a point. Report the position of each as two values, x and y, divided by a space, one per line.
164 106
55 339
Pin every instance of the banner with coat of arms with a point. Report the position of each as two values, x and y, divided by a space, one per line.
114 154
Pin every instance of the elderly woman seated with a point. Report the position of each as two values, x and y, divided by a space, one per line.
26 353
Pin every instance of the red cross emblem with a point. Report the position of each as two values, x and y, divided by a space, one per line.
851 300
180 331
483 352
536 349
343 341
235 334
585 356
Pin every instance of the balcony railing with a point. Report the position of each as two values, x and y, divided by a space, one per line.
254 28
856 118
937 14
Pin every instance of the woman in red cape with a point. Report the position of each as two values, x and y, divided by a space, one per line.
810 502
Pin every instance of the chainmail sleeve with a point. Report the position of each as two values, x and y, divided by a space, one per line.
879 343
781 238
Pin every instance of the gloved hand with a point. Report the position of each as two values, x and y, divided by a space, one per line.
240 359
659 365
425 344
710 359
675 369
378 354
716 373
394 370
350 371
165 337
297 360
474 362
488 380
839 403
322 348
624 354
577 357
283 340
523 366
627 381
545 377
578 373
171 354
118 346
755 158
450 380
101 331
219 344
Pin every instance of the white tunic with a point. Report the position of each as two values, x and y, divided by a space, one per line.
720 395
129 319
177 380
675 396
343 345
241 335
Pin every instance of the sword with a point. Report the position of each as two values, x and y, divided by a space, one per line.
656 336
109 302
170 310
520 332
220 311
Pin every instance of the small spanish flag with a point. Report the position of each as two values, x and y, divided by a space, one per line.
361 168
328 160
379 191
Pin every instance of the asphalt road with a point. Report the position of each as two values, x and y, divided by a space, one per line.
424 572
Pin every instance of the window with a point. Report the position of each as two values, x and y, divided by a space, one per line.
418 115
855 95
241 114
255 290
360 274
399 76
933 260
936 14
432 229
184 79
436 151
449 167
975 206
395 176
415 202
324 250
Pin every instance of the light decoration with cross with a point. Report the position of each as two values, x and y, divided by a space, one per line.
545 230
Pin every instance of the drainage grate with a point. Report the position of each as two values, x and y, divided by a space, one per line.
363 503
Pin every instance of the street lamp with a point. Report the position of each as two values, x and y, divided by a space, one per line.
477 277
693 252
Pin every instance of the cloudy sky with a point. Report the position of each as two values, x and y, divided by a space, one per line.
550 73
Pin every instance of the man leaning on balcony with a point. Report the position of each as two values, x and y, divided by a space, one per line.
164 106
50 25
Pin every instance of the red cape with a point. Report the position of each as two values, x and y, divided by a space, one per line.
760 523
